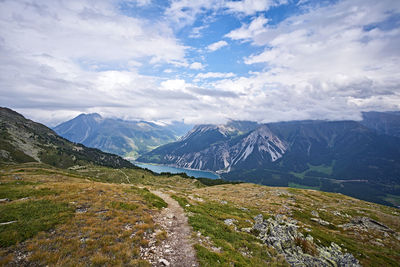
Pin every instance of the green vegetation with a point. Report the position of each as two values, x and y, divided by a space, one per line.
228 247
151 199
30 218
123 205
21 189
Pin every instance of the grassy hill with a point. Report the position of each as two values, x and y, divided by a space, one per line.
104 216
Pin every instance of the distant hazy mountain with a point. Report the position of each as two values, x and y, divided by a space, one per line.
22 140
383 122
342 156
124 138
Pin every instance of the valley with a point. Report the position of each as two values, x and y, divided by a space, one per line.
83 206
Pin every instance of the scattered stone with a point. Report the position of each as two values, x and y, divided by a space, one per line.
230 222
187 205
246 230
128 227
81 210
282 234
244 209
336 213
23 199
314 213
5 223
365 224
223 202
320 221
4 200
16 177
164 262
101 211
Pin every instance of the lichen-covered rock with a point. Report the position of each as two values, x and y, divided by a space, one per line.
365 224
281 233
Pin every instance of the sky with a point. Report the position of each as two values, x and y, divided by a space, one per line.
203 61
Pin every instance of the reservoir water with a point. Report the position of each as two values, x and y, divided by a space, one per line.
164 168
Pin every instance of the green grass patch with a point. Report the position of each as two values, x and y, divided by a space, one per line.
237 248
123 205
395 200
21 189
294 185
31 217
150 198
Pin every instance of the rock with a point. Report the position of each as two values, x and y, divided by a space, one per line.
314 213
230 222
164 262
187 205
81 210
320 221
128 227
365 224
4 200
281 233
223 202
10 222
246 230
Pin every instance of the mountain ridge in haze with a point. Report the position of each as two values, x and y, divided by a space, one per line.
121 137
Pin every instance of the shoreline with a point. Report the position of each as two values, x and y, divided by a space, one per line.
177 167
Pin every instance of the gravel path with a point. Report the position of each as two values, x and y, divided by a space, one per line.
177 249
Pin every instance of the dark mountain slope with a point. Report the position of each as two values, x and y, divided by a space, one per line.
383 122
340 156
23 140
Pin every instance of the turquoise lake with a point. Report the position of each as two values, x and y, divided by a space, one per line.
163 168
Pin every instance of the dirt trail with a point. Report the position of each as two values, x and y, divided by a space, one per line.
177 249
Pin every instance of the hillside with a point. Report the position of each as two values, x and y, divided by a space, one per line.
23 140
337 156
104 216
97 215
124 138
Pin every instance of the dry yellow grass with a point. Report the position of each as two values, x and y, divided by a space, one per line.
97 233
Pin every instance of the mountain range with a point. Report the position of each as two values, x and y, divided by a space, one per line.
23 140
121 137
357 158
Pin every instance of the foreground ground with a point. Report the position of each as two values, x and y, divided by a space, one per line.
101 216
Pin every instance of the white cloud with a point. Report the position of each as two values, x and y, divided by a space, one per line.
250 7
85 30
174 85
61 58
208 75
249 31
324 63
196 66
185 12
217 45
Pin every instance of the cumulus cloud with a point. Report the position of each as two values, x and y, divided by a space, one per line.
250 7
61 58
196 66
249 31
329 62
209 75
217 45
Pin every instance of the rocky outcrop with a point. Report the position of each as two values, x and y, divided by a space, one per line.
282 234
365 224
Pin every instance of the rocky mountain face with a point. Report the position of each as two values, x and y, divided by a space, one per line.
221 147
23 140
339 156
124 138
